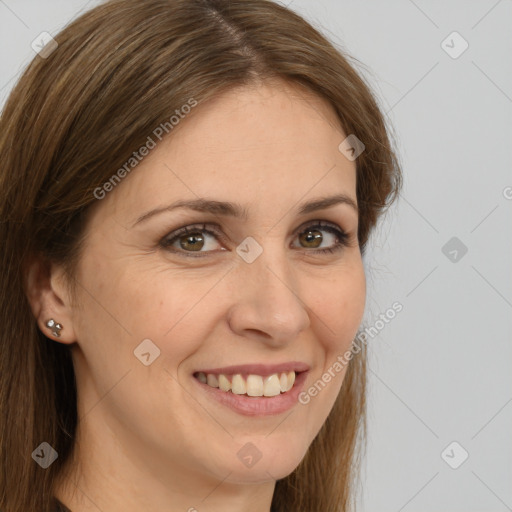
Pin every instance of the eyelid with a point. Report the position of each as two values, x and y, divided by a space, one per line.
317 222
167 241
171 237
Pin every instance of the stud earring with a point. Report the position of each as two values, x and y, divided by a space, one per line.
55 327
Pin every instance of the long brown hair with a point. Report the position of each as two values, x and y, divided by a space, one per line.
75 116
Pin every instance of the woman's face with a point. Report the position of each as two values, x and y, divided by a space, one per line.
211 298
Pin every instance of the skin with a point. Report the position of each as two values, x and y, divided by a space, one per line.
146 439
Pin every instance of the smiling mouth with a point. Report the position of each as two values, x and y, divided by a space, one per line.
250 384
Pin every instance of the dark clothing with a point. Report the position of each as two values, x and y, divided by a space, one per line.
59 507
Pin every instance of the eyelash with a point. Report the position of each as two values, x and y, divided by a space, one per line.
166 242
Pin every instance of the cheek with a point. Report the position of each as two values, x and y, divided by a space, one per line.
338 307
181 310
147 299
177 311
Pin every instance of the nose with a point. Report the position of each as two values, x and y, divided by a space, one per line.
266 303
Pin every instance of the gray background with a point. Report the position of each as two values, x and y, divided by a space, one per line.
440 370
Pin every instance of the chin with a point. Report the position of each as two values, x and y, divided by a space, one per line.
260 460
261 473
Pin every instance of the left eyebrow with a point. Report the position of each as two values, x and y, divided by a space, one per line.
326 202
238 211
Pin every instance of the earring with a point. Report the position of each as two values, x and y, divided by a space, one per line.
55 327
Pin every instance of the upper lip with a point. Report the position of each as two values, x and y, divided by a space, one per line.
259 369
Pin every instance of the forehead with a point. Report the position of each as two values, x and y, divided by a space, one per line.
258 145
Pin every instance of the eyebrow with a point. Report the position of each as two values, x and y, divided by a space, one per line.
238 211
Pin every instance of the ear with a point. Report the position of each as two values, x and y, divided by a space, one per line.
49 299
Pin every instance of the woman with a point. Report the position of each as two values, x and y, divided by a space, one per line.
188 188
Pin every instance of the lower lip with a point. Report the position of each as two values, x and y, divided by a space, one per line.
259 405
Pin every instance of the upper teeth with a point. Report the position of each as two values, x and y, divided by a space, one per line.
255 385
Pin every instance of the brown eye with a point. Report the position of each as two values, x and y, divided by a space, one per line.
191 242
312 238
192 239
197 240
